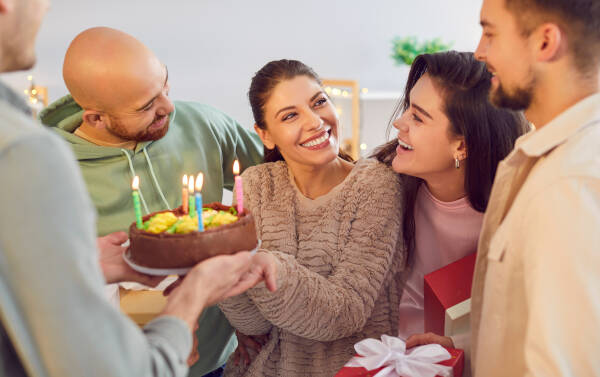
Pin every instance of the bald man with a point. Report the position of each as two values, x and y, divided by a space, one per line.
120 122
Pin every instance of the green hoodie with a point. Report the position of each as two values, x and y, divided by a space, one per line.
200 139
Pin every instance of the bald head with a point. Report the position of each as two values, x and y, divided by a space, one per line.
105 68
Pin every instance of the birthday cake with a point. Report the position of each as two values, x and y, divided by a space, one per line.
170 239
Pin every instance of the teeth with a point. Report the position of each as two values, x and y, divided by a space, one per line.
318 141
404 145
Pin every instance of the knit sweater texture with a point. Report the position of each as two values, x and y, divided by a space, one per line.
339 270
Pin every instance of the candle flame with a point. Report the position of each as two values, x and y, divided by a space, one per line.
136 183
185 180
191 184
236 167
199 182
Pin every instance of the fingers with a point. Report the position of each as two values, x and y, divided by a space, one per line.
429 338
271 276
150 281
174 285
249 341
247 281
244 357
415 340
117 238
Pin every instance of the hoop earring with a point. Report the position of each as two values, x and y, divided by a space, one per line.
456 162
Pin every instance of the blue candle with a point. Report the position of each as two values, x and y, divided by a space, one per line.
199 182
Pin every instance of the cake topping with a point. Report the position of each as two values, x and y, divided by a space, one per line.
170 223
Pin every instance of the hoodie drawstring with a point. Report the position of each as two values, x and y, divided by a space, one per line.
133 175
154 179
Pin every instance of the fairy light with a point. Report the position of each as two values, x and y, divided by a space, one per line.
32 93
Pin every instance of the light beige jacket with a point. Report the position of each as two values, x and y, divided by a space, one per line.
536 289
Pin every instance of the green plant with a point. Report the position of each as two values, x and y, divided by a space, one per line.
405 50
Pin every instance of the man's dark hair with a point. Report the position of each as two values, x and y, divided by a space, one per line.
579 19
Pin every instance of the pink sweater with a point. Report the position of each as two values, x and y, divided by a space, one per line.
444 233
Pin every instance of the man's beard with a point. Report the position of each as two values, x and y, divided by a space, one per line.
520 98
146 134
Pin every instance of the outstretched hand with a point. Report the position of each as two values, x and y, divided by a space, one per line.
263 266
114 268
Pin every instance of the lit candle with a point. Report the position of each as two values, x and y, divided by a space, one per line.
136 202
199 182
184 194
191 196
239 191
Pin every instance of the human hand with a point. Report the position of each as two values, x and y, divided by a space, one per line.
246 342
264 267
216 279
428 338
114 268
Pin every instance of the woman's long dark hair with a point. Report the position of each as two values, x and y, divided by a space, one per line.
261 88
489 132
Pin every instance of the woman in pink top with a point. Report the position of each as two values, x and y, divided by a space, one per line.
450 141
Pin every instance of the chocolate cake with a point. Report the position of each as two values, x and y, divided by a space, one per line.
167 251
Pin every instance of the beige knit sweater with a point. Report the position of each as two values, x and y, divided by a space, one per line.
338 281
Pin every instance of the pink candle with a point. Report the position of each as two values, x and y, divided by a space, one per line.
239 191
184 194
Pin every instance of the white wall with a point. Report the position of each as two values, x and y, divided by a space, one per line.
213 47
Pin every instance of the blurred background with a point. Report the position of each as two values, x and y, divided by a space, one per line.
213 47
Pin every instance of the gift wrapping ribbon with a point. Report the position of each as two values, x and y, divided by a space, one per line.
390 353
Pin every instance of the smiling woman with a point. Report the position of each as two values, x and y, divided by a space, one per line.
292 93
334 227
449 143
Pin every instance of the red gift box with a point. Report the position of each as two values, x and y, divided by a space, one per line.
447 297
457 362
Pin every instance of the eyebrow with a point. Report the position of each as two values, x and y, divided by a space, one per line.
156 96
293 107
421 110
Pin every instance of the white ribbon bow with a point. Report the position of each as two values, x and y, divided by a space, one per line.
391 353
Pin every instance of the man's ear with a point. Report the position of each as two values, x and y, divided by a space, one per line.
94 118
265 136
550 42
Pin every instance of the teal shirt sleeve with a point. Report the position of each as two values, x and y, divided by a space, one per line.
239 143
52 305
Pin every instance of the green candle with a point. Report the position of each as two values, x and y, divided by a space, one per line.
136 202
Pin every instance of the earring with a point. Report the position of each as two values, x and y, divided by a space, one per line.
456 162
